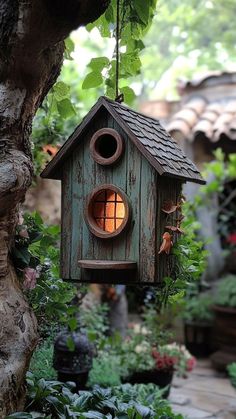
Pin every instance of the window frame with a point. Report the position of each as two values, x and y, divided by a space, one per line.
89 216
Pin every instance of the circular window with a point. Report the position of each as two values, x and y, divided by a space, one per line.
107 211
106 146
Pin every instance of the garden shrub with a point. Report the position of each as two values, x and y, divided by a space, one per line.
226 292
106 370
198 309
41 362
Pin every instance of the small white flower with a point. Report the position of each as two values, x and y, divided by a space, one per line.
137 328
141 348
145 331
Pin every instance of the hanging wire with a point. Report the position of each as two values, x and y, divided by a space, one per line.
119 98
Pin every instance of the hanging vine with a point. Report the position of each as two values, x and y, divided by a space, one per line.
134 20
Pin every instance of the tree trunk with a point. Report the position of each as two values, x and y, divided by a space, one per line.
31 54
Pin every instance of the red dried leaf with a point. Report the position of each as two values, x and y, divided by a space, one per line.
175 229
169 207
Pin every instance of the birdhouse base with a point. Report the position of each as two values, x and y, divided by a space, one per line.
105 271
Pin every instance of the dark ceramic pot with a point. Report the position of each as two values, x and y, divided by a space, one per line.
225 326
198 338
162 378
224 334
73 365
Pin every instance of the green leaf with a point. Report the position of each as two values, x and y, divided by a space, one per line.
70 46
98 64
61 90
91 414
130 63
20 415
22 254
65 108
129 94
72 323
142 9
70 344
93 79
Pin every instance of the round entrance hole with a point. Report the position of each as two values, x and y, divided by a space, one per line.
106 146
107 211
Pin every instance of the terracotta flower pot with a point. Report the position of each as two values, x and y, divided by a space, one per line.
162 378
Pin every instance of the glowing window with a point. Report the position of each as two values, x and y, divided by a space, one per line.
108 211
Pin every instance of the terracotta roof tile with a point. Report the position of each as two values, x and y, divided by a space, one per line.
212 120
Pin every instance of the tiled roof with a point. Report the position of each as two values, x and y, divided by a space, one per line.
153 141
206 79
214 119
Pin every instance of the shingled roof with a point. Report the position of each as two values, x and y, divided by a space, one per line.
149 136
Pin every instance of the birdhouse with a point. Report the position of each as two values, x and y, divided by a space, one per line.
121 176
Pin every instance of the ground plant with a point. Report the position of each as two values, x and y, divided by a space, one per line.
52 399
41 361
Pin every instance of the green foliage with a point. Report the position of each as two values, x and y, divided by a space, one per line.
198 309
189 261
41 361
185 39
157 325
189 250
94 320
106 370
51 296
52 122
226 292
231 368
50 399
135 19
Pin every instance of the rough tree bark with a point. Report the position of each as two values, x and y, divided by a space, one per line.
31 53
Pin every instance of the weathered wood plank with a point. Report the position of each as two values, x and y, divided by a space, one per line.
103 175
77 211
66 222
148 227
133 174
89 184
119 179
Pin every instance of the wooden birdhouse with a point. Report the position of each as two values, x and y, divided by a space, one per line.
121 175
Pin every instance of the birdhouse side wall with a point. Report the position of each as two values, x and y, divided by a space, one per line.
168 189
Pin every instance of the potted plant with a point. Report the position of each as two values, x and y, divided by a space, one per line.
167 360
225 322
198 319
144 363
